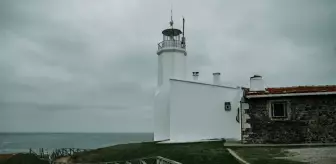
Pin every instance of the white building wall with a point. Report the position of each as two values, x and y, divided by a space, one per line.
197 112
161 114
257 83
160 72
180 65
172 64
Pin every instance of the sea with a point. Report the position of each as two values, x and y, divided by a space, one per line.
22 142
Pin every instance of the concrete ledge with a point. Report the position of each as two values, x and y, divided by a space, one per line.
235 155
189 141
278 145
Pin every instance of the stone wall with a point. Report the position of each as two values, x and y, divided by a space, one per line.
312 120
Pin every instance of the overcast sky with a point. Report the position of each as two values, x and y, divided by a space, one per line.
90 65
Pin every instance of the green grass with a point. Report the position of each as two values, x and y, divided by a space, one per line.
23 159
2 161
264 155
187 153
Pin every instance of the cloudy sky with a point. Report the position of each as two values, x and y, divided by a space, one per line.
90 65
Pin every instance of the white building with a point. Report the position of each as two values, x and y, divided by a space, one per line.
191 110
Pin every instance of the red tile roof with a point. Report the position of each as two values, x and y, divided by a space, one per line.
294 89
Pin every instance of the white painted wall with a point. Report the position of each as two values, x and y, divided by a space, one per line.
257 83
171 64
160 72
197 111
161 114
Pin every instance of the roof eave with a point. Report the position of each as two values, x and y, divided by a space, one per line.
290 94
203 83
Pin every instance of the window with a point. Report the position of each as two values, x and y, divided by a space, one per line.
279 109
227 106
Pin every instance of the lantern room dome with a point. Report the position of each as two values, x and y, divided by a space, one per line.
171 32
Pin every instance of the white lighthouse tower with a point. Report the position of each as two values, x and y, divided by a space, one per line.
172 57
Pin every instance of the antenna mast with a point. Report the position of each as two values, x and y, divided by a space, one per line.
183 38
183 28
171 21
171 18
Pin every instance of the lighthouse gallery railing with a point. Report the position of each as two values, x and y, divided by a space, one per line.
171 43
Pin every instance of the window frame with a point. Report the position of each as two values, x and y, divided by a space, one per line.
227 104
287 109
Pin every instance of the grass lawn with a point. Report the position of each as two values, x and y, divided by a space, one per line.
23 159
187 153
4 157
264 155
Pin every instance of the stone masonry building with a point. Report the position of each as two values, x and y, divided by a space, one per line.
303 114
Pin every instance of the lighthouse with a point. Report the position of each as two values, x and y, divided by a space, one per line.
191 110
172 55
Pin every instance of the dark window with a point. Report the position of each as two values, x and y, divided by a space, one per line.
279 109
227 106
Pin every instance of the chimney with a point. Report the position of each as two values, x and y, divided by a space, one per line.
257 83
195 76
216 78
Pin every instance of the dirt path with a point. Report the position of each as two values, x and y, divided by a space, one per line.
63 160
322 155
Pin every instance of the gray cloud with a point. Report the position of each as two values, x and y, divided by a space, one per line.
97 59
